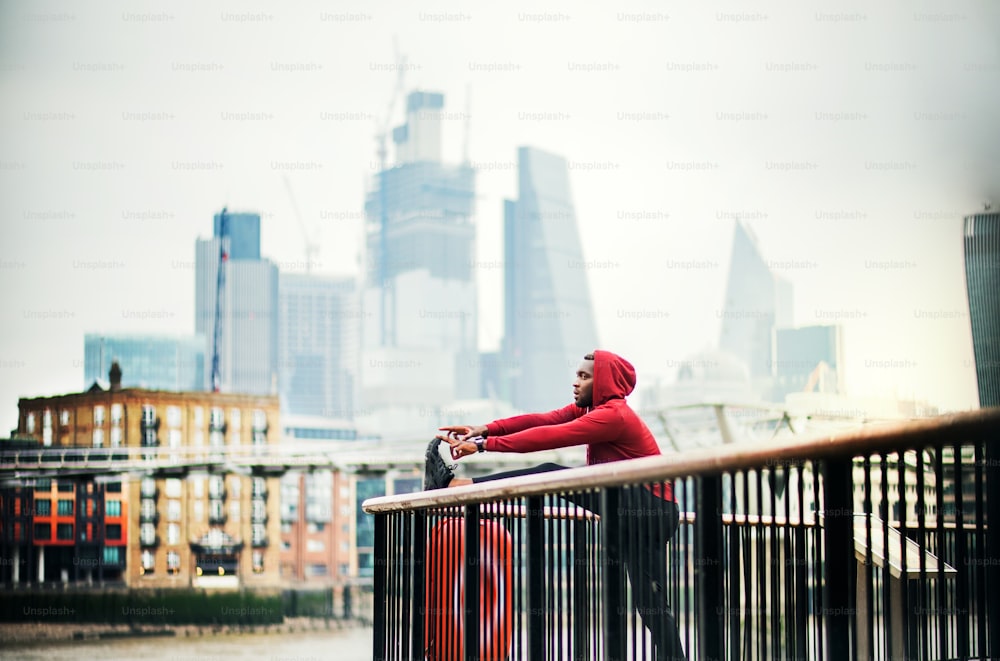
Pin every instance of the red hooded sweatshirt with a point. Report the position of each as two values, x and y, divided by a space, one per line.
609 428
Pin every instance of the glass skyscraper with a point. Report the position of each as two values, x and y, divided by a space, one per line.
248 352
419 321
152 362
757 302
318 344
982 281
548 319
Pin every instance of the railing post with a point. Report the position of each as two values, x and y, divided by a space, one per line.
379 580
535 532
614 580
992 476
581 590
838 547
419 574
708 567
472 606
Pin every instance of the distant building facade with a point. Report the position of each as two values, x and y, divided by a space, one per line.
153 362
248 352
168 530
982 281
318 350
548 316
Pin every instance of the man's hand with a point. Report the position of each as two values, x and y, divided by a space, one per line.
462 432
461 449
457 436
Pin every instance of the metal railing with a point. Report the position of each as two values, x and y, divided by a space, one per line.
873 544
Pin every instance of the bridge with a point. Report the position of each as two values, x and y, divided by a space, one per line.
868 544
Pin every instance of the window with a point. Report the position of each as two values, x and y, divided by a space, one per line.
113 531
258 562
198 438
148 561
43 507
173 534
216 487
148 415
116 414
259 512
172 487
258 534
259 420
148 488
29 423
98 416
98 438
116 437
234 485
215 510
64 531
198 485
113 487
173 562
234 419
216 418
47 419
147 534
173 417
43 531
65 487
315 546
43 485
316 570
64 418
148 509
199 416
173 510
65 508
174 438
112 555
344 569
259 487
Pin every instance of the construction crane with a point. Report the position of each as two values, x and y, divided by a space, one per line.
220 285
309 245
386 337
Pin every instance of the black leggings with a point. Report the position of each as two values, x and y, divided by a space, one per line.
649 522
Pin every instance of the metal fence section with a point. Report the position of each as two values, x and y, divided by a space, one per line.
872 545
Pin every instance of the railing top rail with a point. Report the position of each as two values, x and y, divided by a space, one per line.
890 437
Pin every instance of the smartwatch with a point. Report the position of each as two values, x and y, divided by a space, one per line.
480 444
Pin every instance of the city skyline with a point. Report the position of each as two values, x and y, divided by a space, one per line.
854 168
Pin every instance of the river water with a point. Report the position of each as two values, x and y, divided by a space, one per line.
346 645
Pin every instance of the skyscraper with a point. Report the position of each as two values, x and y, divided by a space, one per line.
982 281
757 301
419 316
318 344
248 341
548 320
808 359
153 362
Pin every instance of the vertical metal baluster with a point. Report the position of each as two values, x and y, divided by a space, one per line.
379 633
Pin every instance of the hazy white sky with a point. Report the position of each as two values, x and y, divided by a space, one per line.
852 137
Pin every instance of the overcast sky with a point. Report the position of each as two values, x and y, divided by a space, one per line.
851 137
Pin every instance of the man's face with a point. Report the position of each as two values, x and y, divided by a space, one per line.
583 387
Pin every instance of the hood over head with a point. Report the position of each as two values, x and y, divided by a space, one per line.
614 377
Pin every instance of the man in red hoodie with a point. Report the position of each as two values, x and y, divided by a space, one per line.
601 419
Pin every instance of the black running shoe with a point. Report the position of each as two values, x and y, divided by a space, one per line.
437 474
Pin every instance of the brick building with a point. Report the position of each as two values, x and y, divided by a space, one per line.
195 527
